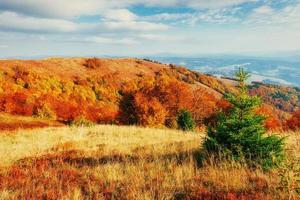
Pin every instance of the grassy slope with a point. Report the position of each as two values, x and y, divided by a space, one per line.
101 140
106 162
68 68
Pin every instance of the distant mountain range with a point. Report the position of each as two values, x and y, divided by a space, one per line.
284 70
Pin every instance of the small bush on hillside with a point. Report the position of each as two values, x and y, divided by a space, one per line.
45 112
92 63
81 121
171 123
294 122
239 133
185 121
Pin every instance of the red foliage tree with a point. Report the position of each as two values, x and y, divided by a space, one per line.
294 122
17 103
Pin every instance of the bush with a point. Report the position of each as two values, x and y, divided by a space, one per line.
294 122
185 121
239 133
81 121
92 63
45 112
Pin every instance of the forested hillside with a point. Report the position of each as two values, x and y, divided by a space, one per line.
127 91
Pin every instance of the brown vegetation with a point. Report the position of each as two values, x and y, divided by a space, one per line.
13 122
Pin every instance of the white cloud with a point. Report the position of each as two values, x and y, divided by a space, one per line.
58 8
69 9
263 10
168 16
3 46
197 4
161 37
134 26
14 21
219 16
288 17
119 15
106 40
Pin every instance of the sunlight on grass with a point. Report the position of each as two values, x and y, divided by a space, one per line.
116 162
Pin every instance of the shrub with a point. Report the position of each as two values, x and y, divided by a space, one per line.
92 63
239 132
294 122
171 123
45 112
81 121
185 121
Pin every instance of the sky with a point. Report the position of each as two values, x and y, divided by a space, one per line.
148 27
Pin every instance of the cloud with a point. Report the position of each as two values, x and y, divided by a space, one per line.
106 40
66 9
194 26
263 10
168 16
135 26
16 22
218 16
161 37
3 46
288 16
197 4
119 15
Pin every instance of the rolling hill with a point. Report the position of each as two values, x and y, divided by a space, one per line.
122 91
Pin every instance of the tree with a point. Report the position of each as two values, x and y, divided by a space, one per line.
294 122
148 110
185 121
272 121
239 133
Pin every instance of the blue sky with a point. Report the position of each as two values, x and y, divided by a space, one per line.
148 27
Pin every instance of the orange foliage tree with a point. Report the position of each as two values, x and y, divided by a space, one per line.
272 121
158 101
148 110
203 105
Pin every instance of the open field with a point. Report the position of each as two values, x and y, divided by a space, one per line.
102 140
115 162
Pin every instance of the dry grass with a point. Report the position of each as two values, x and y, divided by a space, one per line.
103 140
112 162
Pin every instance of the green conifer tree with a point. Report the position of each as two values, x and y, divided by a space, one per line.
239 132
185 120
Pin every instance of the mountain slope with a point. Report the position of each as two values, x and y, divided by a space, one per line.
122 91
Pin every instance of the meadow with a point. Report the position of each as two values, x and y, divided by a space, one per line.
127 162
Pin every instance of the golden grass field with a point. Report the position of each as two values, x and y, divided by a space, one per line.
116 162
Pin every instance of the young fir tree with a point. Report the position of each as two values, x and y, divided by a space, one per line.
185 120
239 132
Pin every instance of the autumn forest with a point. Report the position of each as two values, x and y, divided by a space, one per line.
151 94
